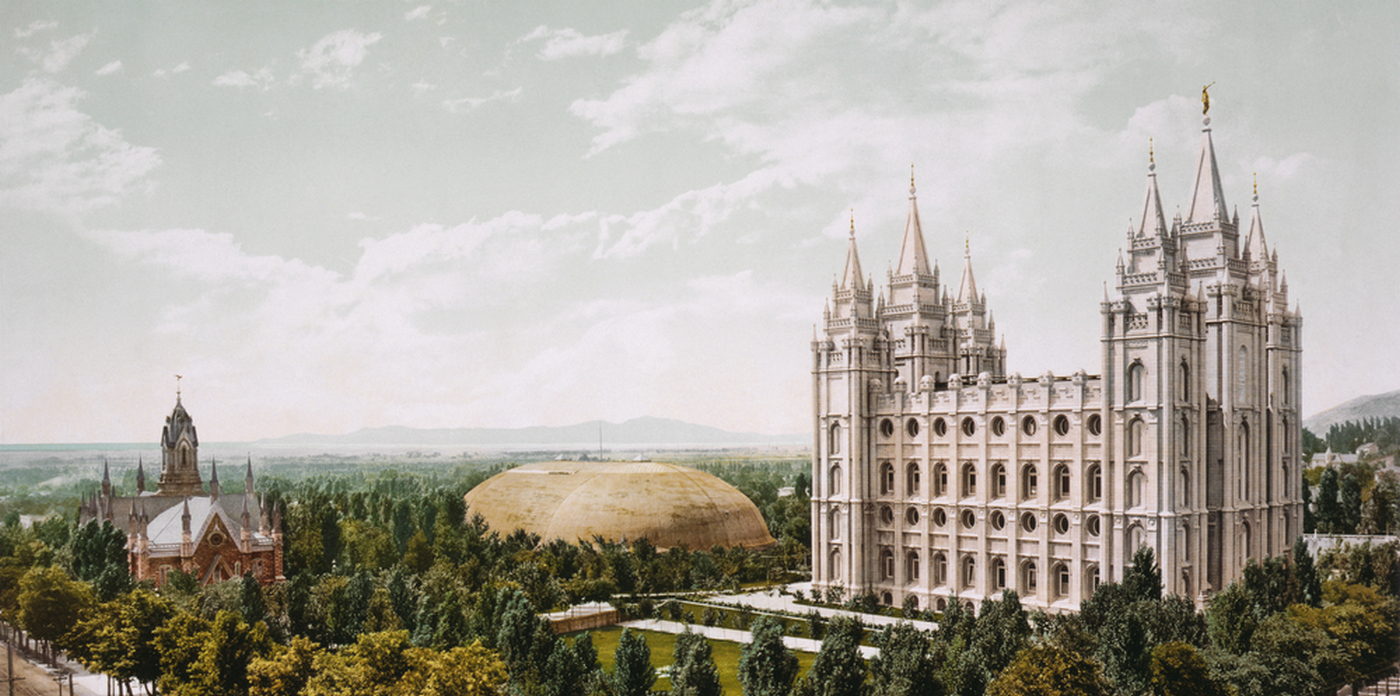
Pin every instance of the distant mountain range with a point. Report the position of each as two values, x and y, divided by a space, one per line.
638 431
1362 407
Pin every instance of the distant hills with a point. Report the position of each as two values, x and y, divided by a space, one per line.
637 431
1362 407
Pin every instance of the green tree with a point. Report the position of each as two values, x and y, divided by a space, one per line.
838 669
95 548
1230 620
1049 670
1143 581
1328 510
1178 671
1309 517
1349 504
1309 585
693 670
222 666
179 642
286 671
563 674
904 665
766 666
51 604
1002 629
633 674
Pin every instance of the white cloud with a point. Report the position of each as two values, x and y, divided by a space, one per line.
34 28
108 69
262 79
417 13
60 52
569 43
468 104
54 157
182 67
331 61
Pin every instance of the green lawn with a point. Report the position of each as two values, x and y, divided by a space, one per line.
663 645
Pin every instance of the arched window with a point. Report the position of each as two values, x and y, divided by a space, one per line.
1028 578
886 564
1186 543
1091 579
969 572
835 526
911 479
1245 551
940 479
911 566
1095 483
1060 572
1062 482
835 486
1137 538
1284 440
886 478
1136 484
998 574
1136 373
1029 481
1242 375
969 480
1185 440
835 568
834 444
998 480
940 569
1244 459
1184 493
1287 390
1136 431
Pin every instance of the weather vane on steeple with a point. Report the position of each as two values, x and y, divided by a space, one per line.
1205 98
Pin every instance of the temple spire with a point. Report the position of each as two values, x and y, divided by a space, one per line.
1255 244
852 278
1207 197
913 257
140 476
967 291
1152 220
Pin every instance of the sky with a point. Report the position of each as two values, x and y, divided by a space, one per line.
335 215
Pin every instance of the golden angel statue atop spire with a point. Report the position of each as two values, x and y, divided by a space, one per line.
1205 98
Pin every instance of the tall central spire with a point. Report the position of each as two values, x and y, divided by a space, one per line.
1207 197
913 258
852 278
967 292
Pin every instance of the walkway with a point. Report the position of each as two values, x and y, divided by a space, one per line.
734 635
774 601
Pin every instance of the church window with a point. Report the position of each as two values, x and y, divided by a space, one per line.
1062 482
1030 480
940 568
886 564
887 599
1092 525
1028 425
969 480
887 428
940 427
1135 489
1062 524
886 515
835 569
999 573
1283 441
1185 381
969 426
998 520
1287 388
998 480
1060 571
834 446
886 478
1185 437
1244 554
1137 537
1028 522
1136 430
835 480
1184 496
1095 483
969 520
1186 543
940 479
911 479
998 426
1061 425
940 517
911 427
911 566
1136 372
1095 424
1028 577
1092 578
1244 459
911 516
1242 375
835 523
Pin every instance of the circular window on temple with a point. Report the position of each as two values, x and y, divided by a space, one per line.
1028 425
998 520
911 516
998 426
968 519
1028 522
216 539
1061 524
940 427
887 428
1092 524
912 427
969 426
887 515
1061 425
1095 425
940 517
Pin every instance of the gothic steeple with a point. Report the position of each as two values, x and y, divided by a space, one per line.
967 291
140 476
852 278
1152 220
1255 245
1207 197
913 258
213 480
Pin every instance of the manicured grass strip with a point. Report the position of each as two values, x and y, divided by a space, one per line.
663 646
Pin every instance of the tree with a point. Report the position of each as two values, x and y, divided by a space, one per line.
633 674
1178 671
766 666
472 670
693 670
1309 586
1049 670
1328 512
286 671
904 665
838 669
1349 504
1144 579
51 604
95 548
1230 620
1309 517
229 646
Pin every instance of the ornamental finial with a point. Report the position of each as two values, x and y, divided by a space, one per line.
911 178
1205 98
853 223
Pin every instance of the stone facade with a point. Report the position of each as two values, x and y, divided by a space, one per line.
938 476
179 526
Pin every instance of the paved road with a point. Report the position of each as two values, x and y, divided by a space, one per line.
735 635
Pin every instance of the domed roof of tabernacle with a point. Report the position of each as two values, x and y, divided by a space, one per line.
669 505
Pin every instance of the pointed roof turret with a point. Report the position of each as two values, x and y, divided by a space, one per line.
1207 197
967 291
140 476
852 278
213 479
1255 244
106 479
1152 220
913 257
